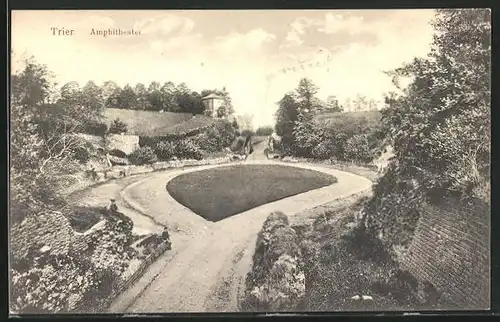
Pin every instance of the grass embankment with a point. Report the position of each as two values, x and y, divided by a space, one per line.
136 120
219 193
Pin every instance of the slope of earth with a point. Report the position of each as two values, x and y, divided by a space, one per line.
136 119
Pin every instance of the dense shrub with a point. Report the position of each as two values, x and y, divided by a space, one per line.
83 218
439 124
165 150
276 282
187 149
118 127
357 148
53 283
264 131
83 153
95 127
143 155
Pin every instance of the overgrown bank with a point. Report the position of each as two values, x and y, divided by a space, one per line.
329 265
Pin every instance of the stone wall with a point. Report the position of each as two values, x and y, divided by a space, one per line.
125 143
50 229
451 250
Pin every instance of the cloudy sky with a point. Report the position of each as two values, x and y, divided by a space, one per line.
258 55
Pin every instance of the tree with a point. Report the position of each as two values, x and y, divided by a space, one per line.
71 93
168 92
91 98
33 86
41 146
361 103
306 92
114 100
109 92
286 116
305 135
118 127
226 109
264 131
141 97
347 106
440 123
127 97
245 121
155 97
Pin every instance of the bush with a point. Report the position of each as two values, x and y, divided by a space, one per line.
165 150
94 127
276 281
53 283
187 149
82 154
264 131
143 155
357 149
83 218
118 127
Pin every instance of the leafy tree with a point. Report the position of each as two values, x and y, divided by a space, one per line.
235 124
286 116
305 93
118 127
109 93
41 146
305 134
142 97
155 97
91 98
190 103
264 131
114 100
71 93
127 97
245 121
440 123
360 103
33 86
226 109
168 92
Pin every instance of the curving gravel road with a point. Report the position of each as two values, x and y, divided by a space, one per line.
206 268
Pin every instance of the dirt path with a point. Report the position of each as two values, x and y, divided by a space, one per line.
206 272
100 196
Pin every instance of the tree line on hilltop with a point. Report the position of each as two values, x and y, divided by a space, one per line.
168 97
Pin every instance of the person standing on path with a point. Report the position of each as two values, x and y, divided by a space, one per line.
113 208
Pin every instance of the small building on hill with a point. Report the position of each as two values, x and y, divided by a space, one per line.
212 103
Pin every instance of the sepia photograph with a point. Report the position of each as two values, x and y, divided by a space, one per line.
258 161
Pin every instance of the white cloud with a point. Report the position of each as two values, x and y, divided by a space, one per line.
252 40
334 23
165 25
298 28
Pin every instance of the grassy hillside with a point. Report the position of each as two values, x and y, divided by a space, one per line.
193 123
145 122
329 119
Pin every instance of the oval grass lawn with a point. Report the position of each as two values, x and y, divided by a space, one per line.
221 192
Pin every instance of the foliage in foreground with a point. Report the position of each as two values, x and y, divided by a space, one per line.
440 126
276 281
